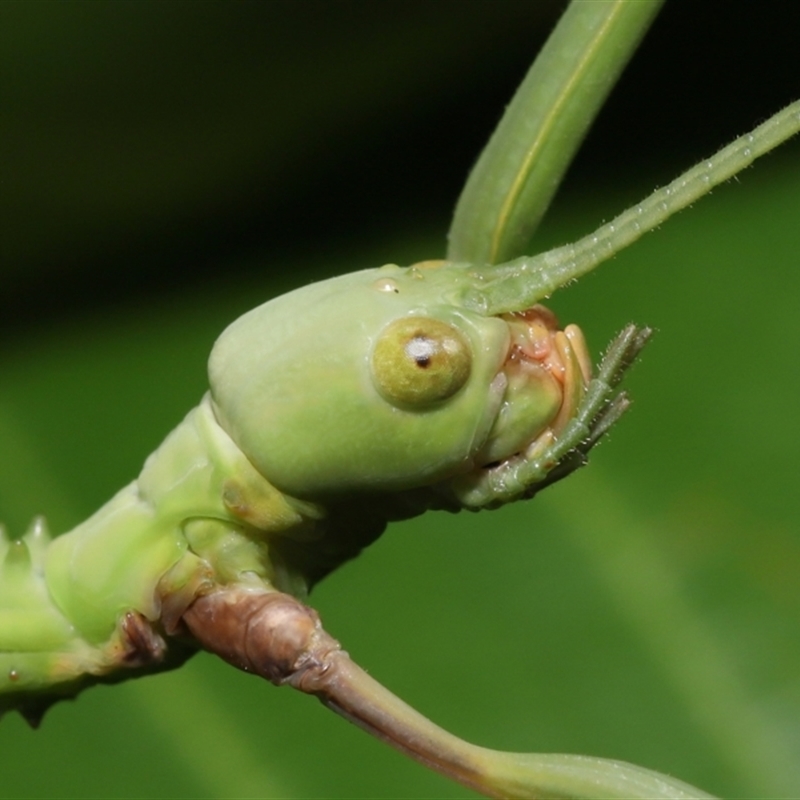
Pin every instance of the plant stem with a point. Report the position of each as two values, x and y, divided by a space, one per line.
519 171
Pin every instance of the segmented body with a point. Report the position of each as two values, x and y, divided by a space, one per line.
97 599
418 404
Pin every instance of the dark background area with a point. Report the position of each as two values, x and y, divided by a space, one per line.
146 143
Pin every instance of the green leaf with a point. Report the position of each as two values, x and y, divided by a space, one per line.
522 166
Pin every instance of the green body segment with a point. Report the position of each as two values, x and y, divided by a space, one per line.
195 514
113 560
35 634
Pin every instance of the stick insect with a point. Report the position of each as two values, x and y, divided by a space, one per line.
554 449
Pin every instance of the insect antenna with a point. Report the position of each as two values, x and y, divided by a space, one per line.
519 284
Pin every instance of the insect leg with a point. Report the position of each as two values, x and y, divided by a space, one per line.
554 456
278 638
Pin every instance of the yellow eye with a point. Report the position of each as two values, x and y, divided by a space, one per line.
418 361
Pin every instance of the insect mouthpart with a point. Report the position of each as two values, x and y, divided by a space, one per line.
546 371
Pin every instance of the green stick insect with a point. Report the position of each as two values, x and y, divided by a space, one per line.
445 385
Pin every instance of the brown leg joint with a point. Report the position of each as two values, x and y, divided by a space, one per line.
268 633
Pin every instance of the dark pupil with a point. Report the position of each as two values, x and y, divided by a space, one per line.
421 349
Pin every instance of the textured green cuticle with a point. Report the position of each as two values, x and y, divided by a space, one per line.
192 515
29 622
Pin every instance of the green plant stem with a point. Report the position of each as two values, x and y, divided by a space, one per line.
519 171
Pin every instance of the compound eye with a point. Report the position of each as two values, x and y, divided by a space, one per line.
419 361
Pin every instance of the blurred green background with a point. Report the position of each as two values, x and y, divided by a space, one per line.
168 165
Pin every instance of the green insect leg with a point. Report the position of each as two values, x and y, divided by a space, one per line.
557 454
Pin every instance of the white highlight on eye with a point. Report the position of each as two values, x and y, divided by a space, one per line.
421 349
